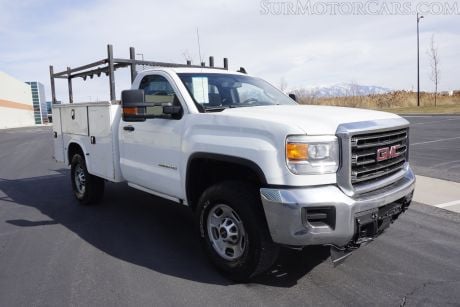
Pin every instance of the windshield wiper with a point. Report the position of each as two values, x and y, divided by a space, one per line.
232 106
247 105
215 109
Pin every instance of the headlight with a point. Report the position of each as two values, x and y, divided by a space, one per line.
312 154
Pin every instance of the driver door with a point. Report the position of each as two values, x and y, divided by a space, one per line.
150 150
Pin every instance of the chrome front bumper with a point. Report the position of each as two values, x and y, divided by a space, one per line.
284 211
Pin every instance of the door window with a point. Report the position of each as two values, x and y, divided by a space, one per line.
159 91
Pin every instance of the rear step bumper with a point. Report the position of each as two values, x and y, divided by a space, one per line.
324 215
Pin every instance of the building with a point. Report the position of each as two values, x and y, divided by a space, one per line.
39 102
49 109
16 106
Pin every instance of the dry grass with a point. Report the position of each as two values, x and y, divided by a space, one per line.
444 109
399 101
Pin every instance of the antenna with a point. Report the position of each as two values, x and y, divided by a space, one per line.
199 46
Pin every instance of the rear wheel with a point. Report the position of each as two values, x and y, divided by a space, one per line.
234 233
88 189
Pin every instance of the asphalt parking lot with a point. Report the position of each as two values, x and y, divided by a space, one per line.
435 146
136 249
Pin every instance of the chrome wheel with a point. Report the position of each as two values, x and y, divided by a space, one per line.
226 232
80 179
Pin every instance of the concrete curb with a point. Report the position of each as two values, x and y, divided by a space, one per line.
428 114
438 193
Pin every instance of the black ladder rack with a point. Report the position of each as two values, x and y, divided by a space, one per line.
108 66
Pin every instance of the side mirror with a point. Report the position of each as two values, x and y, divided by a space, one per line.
172 110
293 97
135 109
133 105
132 97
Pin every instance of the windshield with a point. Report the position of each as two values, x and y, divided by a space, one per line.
214 91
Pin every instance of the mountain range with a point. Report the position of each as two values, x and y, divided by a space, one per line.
346 89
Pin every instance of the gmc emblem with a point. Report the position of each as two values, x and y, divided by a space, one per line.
385 153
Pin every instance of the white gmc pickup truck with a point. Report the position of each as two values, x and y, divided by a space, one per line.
258 170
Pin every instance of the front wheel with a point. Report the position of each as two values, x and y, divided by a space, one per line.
88 189
234 232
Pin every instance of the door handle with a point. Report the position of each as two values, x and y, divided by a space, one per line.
128 128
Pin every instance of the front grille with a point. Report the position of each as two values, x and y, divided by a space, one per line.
365 167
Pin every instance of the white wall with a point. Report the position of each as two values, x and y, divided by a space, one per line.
16 108
13 118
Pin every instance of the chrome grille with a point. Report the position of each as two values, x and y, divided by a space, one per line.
365 167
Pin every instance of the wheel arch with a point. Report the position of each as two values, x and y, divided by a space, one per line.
75 147
235 167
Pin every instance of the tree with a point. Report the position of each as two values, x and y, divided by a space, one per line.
305 96
353 96
435 71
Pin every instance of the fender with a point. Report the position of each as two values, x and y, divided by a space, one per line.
222 158
83 148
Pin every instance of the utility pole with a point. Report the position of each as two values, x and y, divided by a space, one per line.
418 60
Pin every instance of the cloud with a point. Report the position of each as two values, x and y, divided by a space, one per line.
304 50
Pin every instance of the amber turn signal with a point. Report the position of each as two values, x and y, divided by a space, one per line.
297 151
130 111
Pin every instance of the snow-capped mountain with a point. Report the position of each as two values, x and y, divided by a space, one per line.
346 89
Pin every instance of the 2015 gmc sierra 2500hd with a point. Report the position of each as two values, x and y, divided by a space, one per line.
258 170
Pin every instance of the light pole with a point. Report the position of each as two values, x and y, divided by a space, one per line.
418 60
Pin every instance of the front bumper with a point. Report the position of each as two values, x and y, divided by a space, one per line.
285 211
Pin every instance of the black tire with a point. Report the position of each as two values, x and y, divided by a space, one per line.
260 252
91 191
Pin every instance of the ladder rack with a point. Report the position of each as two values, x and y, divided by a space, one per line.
108 66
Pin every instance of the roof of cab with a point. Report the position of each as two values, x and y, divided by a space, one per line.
179 70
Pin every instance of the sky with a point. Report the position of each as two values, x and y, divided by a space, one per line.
266 38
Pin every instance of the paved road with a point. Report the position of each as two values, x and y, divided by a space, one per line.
435 146
136 249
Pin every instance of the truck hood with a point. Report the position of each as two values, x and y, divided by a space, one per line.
313 120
